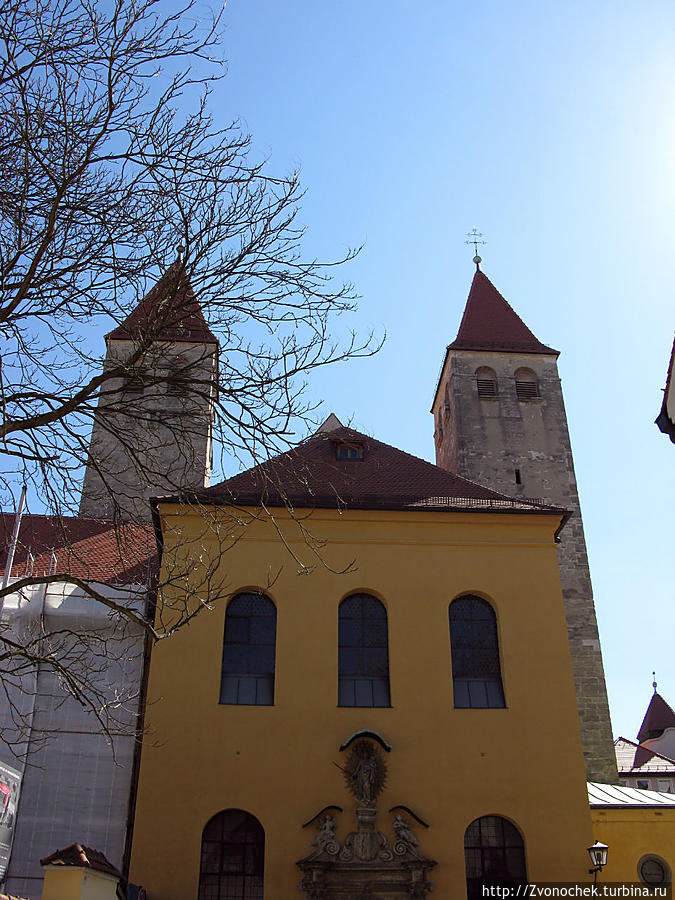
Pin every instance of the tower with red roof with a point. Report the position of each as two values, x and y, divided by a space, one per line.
500 420
152 429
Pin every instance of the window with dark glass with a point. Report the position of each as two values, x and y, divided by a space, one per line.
363 652
349 450
494 854
233 853
476 673
249 651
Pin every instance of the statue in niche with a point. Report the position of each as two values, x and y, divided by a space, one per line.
367 864
365 773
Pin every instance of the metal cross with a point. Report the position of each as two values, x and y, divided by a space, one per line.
474 237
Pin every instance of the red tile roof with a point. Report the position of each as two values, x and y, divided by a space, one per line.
489 323
169 312
658 717
311 476
87 548
81 857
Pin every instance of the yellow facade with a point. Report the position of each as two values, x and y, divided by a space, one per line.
450 766
633 834
72 883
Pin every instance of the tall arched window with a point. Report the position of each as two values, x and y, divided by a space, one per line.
476 673
527 385
363 652
233 856
249 651
486 382
494 854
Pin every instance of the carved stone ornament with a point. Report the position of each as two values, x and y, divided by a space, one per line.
366 866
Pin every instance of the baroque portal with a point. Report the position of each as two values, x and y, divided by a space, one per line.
367 864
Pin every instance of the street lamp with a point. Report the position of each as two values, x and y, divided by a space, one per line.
598 855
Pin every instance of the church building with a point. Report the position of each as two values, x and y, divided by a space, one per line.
394 671
397 686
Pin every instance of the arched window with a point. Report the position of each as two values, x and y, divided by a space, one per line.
233 855
527 385
494 854
363 652
249 651
486 382
476 673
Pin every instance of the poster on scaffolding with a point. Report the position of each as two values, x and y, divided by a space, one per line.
10 785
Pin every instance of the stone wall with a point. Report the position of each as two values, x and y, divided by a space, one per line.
522 448
151 438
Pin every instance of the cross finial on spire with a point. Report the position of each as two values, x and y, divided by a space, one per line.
474 237
654 681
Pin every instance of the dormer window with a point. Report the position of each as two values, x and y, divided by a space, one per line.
349 450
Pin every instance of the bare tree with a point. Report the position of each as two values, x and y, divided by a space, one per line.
110 159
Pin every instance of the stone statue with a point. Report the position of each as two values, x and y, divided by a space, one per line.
366 773
326 833
404 832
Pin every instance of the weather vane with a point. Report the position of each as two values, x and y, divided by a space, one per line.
654 681
474 237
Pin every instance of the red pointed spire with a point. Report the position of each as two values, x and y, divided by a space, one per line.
658 717
489 323
169 312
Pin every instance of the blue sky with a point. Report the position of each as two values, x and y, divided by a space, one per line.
550 127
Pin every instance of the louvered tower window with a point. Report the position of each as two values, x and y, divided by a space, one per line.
233 854
527 385
486 382
249 648
476 672
363 652
494 854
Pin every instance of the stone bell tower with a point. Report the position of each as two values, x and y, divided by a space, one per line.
500 420
153 425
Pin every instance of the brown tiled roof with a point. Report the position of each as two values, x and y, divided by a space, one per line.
311 476
87 548
169 312
81 857
633 759
489 323
658 717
